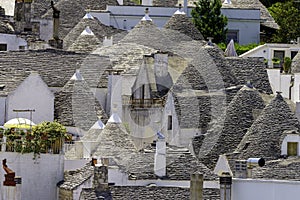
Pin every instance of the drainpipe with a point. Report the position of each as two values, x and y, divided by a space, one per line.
290 88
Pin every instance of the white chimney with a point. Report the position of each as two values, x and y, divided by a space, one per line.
108 41
160 156
114 93
196 186
227 2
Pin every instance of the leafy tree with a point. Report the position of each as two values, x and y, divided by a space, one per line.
287 17
209 21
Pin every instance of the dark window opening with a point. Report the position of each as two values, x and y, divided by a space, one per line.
232 34
292 148
170 122
246 145
27 29
293 54
3 47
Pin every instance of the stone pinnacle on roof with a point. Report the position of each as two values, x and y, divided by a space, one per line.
227 2
179 11
114 118
87 31
146 17
98 125
88 16
180 22
77 76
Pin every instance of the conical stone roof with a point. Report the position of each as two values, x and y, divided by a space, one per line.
240 114
263 139
76 105
146 33
87 42
100 30
181 23
296 63
115 143
94 132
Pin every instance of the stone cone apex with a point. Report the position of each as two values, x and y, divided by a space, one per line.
87 31
227 2
98 125
146 17
88 16
230 50
77 76
222 166
179 11
180 22
114 118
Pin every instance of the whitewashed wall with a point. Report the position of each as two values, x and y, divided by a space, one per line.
172 136
13 42
46 29
247 21
274 79
32 93
39 177
290 138
285 84
249 189
2 110
296 88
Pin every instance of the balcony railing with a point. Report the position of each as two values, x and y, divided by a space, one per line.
145 103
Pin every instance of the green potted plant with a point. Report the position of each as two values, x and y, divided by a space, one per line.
50 135
276 62
287 64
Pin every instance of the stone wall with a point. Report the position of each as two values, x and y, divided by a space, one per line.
65 194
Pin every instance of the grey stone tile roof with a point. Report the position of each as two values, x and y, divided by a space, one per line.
115 143
85 44
75 178
99 29
264 137
266 18
282 169
146 33
126 56
40 7
194 108
76 106
180 163
250 69
181 23
55 66
92 135
296 63
10 80
223 67
71 12
240 114
147 193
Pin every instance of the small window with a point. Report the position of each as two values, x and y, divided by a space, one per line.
293 54
21 47
170 122
292 148
246 145
27 29
232 34
3 47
